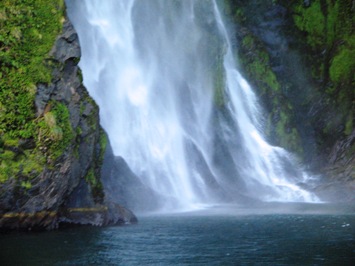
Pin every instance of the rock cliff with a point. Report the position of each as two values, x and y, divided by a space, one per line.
298 57
62 185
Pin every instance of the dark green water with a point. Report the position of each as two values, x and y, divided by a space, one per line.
194 239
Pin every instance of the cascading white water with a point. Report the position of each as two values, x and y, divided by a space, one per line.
155 69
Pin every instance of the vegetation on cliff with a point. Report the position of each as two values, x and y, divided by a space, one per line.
28 29
255 62
329 30
31 139
51 143
299 56
328 27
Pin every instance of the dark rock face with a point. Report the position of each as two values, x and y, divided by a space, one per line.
340 172
122 185
69 190
305 102
112 214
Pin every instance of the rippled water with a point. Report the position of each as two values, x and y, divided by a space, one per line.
205 238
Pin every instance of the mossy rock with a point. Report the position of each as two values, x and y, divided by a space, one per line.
28 29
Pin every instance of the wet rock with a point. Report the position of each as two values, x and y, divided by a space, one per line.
122 185
113 214
23 221
339 173
67 45
307 3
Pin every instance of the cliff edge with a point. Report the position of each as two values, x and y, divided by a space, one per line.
49 162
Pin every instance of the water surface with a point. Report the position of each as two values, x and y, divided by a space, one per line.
241 237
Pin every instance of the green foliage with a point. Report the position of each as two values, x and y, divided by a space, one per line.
90 177
103 144
26 184
248 42
257 65
93 177
28 29
326 28
92 118
232 10
340 35
96 185
289 138
263 73
55 131
7 155
331 23
21 164
329 26
342 67
312 21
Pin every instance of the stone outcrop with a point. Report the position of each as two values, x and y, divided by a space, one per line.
339 172
69 189
122 185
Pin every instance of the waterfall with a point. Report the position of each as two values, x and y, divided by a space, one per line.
174 105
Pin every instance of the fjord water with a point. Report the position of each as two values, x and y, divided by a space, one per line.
178 111
271 235
174 105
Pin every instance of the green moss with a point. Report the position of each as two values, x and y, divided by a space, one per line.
92 118
343 66
232 10
326 28
26 184
103 144
289 138
312 21
263 73
248 42
55 132
331 22
54 135
257 65
10 141
28 29
96 185
90 177
255 60
80 75
7 156
34 163
25 164
79 131
27 32
329 27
